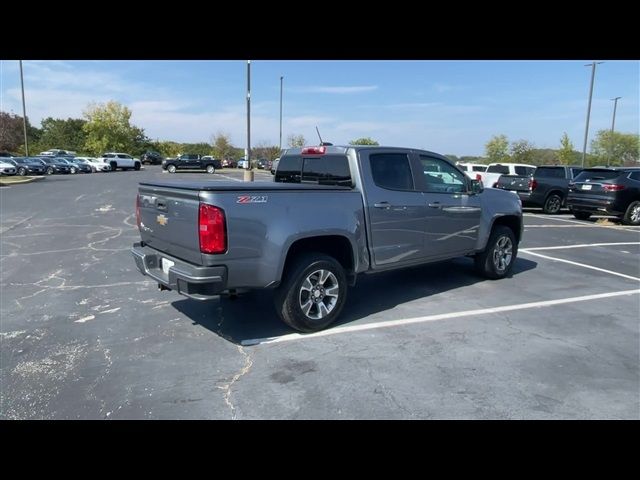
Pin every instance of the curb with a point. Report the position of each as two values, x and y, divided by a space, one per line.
19 182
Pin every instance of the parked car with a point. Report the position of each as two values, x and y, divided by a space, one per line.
612 191
7 168
190 162
274 166
79 165
27 166
494 170
263 164
123 161
6 154
229 163
216 163
151 157
242 163
56 152
332 213
54 165
547 189
473 170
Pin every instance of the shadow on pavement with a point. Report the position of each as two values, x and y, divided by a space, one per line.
252 315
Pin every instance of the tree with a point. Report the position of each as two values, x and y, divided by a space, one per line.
222 148
108 128
266 151
11 132
522 151
363 141
294 140
67 134
496 149
566 154
618 149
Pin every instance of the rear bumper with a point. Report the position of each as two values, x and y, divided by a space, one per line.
604 205
198 283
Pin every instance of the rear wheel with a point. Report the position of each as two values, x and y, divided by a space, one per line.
582 215
211 169
50 171
171 169
136 166
22 171
312 293
553 204
114 165
500 254
73 170
632 215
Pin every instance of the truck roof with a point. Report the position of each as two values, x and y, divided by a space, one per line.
342 149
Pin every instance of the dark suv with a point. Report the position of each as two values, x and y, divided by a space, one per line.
151 157
612 191
550 186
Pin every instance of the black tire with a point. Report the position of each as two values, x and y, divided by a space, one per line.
210 169
291 296
171 168
632 215
114 166
582 215
73 170
552 204
50 171
136 166
500 254
22 171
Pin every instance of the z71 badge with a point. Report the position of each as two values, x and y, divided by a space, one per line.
252 199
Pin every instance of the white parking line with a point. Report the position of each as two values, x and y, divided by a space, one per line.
581 246
431 318
583 265
230 178
628 228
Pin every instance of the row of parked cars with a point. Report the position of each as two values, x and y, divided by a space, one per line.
584 191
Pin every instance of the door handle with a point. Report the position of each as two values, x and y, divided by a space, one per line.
384 205
434 205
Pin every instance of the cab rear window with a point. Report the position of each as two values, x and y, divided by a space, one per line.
323 170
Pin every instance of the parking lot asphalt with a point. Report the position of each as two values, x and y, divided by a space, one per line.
84 335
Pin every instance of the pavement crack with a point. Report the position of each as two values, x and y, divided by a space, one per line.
248 362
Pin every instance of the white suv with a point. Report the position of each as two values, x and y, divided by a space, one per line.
120 160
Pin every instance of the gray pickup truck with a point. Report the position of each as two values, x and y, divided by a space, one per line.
331 214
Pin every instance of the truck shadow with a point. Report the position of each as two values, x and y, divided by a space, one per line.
252 314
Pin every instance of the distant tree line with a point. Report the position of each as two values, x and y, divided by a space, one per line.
107 127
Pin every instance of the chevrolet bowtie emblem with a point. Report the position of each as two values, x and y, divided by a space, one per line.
162 220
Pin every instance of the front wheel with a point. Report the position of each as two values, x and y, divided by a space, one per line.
171 169
582 215
22 171
73 170
113 165
632 215
211 169
136 166
553 204
313 292
50 171
499 255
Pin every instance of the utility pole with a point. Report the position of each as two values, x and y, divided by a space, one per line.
281 77
586 130
613 125
24 114
248 173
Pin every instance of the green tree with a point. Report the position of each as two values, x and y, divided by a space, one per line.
221 144
363 141
452 157
566 154
522 151
11 132
497 149
616 149
109 127
67 134
266 151
294 140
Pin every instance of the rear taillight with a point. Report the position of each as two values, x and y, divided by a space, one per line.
138 221
314 150
612 187
478 177
533 184
212 229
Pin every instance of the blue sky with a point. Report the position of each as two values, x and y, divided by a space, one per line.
446 106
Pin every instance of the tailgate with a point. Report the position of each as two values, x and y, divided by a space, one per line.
515 183
169 221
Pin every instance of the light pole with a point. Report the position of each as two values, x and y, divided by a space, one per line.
586 130
613 124
24 114
248 173
281 78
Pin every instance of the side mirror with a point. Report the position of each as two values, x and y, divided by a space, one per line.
476 186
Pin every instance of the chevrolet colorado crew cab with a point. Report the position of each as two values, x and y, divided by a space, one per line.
332 213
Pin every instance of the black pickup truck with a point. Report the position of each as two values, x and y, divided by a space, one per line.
191 162
547 188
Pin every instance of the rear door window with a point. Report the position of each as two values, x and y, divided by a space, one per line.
391 171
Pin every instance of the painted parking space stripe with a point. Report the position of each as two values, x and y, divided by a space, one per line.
432 318
584 245
583 265
628 228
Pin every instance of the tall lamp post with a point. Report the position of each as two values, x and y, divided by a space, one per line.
281 78
613 125
586 130
248 173
24 114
